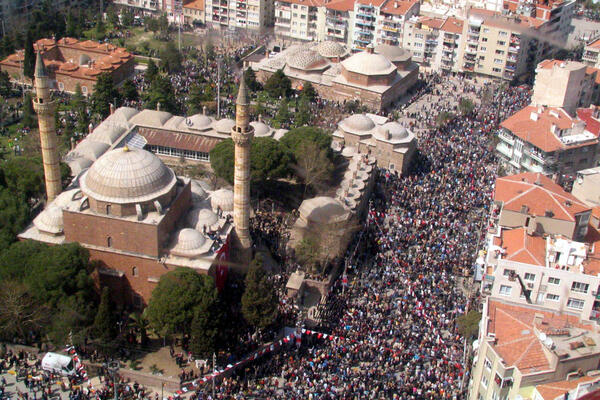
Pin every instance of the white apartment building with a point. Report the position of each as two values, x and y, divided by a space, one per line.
250 14
547 140
591 54
145 6
339 21
299 20
391 21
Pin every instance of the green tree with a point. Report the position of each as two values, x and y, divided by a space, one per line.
29 60
163 24
141 324
29 116
100 28
104 94
309 92
151 24
313 165
259 301
278 85
171 59
207 325
466 105
79 105
268 160
73 27
468 324
14 216
24 176
105 321
129 91
251 81
303 114
307 252
151 71
127 17
20 314
295 138
112 17
174 300
283 116
5 85
161 91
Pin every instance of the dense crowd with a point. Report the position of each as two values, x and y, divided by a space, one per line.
393 324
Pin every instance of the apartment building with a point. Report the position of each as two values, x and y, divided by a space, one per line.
193 12
392 17
247 14
587 186
591 54
299 19
547 140
521 347
566 84
509 46
339 21
144 6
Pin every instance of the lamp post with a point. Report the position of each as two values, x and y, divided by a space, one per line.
113 368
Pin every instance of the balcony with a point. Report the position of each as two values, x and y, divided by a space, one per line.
506 137
512 58
470 57
363 33
336 33
591 56
468 67
389 28
364 22
535 155
503 149
513 49
283 22
471 50
473 31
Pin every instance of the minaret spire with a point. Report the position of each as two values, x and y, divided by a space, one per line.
242 134
45 108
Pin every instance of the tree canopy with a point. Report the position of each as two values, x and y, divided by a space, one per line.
295 138
259 301
174 300
207 324
278 85
171 59
161 91
151 71
268 160
105 321
105 94
29 60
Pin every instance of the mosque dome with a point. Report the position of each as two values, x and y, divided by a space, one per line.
198 192
200 217
322 210
396 132
261 129
188 243
357 123
126 176
306 60
222 198
393 53
200 122
50 220
365 63
224 125
331 49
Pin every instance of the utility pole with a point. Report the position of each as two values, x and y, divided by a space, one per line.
219 87
214 371
113 368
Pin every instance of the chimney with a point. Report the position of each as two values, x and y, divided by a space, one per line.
158 106
259 117
370 48
553 128
540 109
203 110
533 116
72 143
395 4
90 128
538 180
538 318
386 134
112 108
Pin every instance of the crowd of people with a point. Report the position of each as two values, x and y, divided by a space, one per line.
393 322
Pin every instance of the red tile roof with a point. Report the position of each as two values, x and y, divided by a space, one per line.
587 115
522 247
537 132
309 3
550 391
516 341
374 3
595 44
341 5
398 7
592 70
453 25
520 190
195 4
432 22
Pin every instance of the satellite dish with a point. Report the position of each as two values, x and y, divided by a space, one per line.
549 343
543 337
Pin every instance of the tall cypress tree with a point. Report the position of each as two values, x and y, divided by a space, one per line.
29 62
104 323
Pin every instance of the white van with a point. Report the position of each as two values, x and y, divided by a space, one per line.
58 364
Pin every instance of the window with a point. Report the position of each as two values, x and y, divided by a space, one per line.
500 52
575 303
498 61
484 381
134 271
482 48
508 272
502 34
418 44
61 86
501 43
487 364
418 36
552 297
84 89
529 277
553 281
505 290
580 287
108 209
484 39
109 241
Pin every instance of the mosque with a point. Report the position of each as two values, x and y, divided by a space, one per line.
376 77
135 216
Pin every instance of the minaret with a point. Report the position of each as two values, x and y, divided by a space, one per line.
45 108
242 134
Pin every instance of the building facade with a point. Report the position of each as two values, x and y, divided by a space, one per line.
591 54
547 140
247 14
193 12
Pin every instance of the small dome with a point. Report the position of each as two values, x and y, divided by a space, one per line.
50 220
107 133
84 59
330 49
393 53
357 123
348 151
201 217
151 118
396 132
322 210
126 176
365 63
224 125
69 67
199 122
79 164
222 198
188 243
306 60
198 192
91 149
261 129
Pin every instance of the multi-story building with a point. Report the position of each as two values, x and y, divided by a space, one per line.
509 46
547 140
524 346
298 19
392 17
193 12
591 54
586 186
365 21
565 84
250 14
339 21
143 6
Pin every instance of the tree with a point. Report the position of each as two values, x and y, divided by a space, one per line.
127 17
468 324
151 24
24 176
29 60
29 116
141 324
100 28
151 71
112 17
251 82
5 85
207 325
314 165
14 216
196 98
171 59
104 94
174 300
303 115
283 116
161 91
307 251
163 24
79 105
278 85
73 26
105 321
465 105
309 92
259 301
295 137
129 91
268 160
20 314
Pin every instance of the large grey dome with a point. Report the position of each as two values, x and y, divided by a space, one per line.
306 60
331 49
364 63
396 132
127 176
357 123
